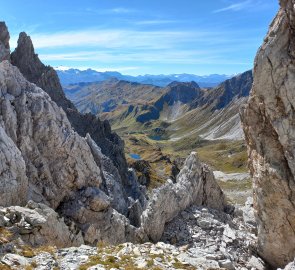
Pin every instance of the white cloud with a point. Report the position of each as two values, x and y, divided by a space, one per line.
125 50
155 22
119 69
117 10
235 7
116 38
120 10
158 57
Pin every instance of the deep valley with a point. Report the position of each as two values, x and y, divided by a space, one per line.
162 125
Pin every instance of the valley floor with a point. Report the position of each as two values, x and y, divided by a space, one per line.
161 159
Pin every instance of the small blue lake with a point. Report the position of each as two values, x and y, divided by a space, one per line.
156 138
135 156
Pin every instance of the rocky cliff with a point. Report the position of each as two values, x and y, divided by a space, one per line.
28 62
57 159
44 160
268 122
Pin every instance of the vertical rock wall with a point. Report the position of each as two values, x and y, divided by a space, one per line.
269 126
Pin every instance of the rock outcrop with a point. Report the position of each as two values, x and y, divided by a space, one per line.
195 184
268 122
28 62
4 42
57 160
44 160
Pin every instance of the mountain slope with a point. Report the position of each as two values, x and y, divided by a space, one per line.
108 95
68 191
215 114
174 112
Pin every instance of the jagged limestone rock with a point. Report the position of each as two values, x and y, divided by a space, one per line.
45 160
58 161
269 126
111 145
112 183
195 184
28 62
4 42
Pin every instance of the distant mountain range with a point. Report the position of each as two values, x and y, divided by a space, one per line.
73 76
177 111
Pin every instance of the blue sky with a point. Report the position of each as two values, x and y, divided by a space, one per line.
143 36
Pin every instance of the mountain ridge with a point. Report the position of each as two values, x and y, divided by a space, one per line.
74 76
121 101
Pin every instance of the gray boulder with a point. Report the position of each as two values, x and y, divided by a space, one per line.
195 184
39 225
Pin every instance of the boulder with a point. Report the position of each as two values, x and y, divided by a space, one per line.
195 184
14 260
39 225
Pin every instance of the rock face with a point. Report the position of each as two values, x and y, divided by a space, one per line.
14 182
45 77
4 42
195 184
43 159
35 71
58 161
268 122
